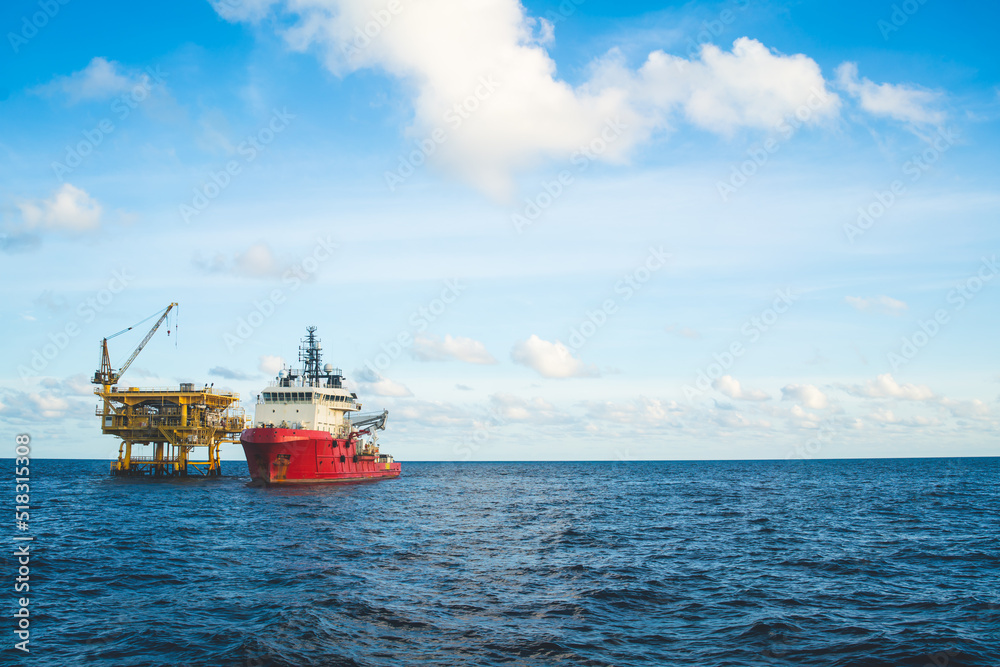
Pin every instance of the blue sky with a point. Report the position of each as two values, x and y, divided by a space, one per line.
624 193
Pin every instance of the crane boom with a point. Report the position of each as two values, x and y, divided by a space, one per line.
145 340
108 376
371 420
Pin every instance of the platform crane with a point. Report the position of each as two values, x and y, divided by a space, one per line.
107 376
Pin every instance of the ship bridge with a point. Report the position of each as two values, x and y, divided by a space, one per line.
311 397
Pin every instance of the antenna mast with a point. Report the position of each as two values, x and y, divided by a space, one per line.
310 355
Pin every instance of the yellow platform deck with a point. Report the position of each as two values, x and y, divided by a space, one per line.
173 422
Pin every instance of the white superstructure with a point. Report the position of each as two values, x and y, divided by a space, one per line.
298 403
308 398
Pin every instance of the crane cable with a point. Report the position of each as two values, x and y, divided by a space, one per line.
159 312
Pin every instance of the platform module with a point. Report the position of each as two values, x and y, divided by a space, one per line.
172 422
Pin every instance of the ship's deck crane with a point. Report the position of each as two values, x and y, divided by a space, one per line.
370 421
108 376
366 425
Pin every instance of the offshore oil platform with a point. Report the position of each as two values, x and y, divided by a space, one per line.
173 422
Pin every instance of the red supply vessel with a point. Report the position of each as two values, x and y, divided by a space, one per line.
308 428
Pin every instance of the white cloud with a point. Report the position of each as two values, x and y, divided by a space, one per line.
885 386
257 261
901 102
889 418
100 79
883 416
69 209
880 304
551 360
730 386
228 373
375 383
433 414
270 364
432 348
806 394
643 412
736 420
974 409
386 387
492 55
75 385
60 399
508 407
750 86
49 406
805 419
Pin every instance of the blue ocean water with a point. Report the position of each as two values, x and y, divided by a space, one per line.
860 563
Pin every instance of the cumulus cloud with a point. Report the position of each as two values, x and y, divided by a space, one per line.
257 261
804 419
885 386
379 385
897 101
228 373
889 418
730 386
879 304
100 79
736 420
270 364
433 414
750 86
433 348
974 409
49 405
481 73
75 385
55 400
68 209
508 407
806 394
643 411
551 360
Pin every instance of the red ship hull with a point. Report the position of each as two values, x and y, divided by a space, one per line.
299 456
